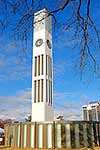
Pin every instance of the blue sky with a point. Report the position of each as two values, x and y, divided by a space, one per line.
70 93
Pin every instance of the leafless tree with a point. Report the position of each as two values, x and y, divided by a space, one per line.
80 20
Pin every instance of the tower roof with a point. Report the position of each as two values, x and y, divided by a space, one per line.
45 10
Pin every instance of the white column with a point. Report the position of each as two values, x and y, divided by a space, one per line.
32 136
49 136
40 136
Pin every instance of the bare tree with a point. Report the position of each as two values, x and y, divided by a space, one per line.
80 20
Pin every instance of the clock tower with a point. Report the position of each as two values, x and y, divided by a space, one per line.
42 85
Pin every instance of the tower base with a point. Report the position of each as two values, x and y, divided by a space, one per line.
42 112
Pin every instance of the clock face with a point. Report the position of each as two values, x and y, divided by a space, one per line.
48 44
39 42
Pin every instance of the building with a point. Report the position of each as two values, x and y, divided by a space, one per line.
91 112
1 137
42 91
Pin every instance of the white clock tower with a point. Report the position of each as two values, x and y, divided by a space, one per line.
42 97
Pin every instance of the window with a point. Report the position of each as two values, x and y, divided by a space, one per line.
46 64
98 111
85 114
50 68
94 115
38 65
35 66
90 114
38 90
46 90
84 107
51 92
42 63
34 91
42 90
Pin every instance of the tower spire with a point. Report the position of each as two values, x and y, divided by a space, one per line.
42 97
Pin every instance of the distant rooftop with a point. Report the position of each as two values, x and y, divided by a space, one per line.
94 102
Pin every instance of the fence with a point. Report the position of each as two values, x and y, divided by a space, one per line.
61 134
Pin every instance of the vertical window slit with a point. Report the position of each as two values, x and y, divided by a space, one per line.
34 91
51 92
38 65
46 64
42 64
38 90
35 66
42 90
46 90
